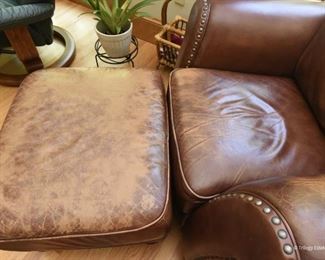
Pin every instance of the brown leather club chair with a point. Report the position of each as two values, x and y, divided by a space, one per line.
247 111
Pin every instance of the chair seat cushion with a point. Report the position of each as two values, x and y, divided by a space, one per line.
84 161
231 128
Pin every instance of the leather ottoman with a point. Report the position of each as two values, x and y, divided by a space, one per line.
84 161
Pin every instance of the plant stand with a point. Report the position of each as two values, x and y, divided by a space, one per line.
102 56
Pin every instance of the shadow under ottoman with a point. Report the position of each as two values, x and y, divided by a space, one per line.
84 161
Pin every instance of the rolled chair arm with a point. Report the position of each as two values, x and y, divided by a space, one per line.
261 37
24 14
282 218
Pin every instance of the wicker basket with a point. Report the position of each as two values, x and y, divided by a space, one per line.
169 40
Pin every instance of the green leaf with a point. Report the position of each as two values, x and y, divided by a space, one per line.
115 5
126 4
116 18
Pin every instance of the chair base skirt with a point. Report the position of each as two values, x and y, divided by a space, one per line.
64 60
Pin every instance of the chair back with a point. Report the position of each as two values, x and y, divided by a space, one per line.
310 74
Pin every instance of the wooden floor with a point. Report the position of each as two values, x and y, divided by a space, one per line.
67 15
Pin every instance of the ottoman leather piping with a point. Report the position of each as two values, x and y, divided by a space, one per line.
156 220
262 203
189 188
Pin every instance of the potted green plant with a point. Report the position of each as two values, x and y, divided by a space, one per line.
114 26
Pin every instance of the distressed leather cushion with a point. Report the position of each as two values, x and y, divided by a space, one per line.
84 161
230 128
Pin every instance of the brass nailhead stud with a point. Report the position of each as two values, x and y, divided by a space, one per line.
258 203
288 249
282 234
276 220
267 210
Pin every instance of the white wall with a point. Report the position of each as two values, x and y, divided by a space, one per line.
173 9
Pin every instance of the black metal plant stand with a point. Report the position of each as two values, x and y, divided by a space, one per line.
102 56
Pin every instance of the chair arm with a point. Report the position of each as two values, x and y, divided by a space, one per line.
282 218
24 15
262 37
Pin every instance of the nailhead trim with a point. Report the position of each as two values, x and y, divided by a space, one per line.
282 234
199 33
267 210
275 220
288 249
258 203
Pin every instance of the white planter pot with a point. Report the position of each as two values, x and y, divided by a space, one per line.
115 45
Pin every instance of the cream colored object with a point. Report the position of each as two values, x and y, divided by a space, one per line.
115 45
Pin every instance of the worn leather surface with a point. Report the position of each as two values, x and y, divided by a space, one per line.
301 200
84 160
310 74
262 37
230 128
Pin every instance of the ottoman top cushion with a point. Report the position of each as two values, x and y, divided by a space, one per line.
84 151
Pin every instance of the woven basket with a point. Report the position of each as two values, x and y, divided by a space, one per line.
170 39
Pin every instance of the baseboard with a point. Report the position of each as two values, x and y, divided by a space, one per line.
143 28
146 29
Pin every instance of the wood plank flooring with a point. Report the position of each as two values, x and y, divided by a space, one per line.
67 15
